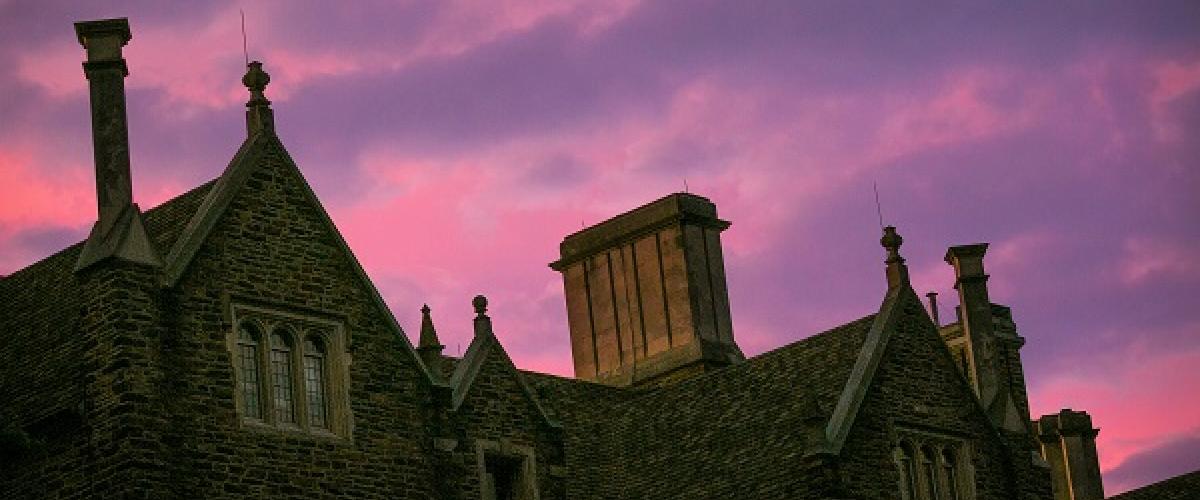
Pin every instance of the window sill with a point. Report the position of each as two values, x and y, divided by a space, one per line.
291 430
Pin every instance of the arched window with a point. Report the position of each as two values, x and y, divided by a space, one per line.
905 461
281 377
929 471
950 471
314 381
248 342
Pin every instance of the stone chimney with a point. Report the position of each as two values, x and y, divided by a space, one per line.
1068 443
646 294
119 231
991 346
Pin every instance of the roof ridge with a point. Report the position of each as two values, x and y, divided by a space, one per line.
156 209
752 362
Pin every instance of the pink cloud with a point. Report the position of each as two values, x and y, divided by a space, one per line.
960 110
62 199
1172 80
1154 259
1132 396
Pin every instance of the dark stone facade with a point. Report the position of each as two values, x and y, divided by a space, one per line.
120 380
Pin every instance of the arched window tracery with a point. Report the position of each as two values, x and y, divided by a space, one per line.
281 377
248 343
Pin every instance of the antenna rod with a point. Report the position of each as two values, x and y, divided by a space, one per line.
245 52
878 208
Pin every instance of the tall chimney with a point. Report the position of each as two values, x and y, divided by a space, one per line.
106 71
994 362
646 294
119 231
1068 443
976 309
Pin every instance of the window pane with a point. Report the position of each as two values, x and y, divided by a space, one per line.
249 367
314 384
281 378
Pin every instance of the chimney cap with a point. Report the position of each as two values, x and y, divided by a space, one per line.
103 27
976 250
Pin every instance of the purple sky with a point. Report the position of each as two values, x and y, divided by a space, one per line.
455 143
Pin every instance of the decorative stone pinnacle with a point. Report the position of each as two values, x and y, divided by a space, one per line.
892 240
480 303
425 309
256 81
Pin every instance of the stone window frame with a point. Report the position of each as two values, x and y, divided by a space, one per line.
921 455
507 450
300 326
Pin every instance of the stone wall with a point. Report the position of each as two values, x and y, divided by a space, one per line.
917 389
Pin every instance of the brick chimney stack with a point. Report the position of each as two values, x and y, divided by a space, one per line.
646 294
119 231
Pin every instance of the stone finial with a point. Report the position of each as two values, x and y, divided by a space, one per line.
892 240
897 272
259 117
483 324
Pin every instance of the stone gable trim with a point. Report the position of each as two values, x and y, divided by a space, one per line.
468 368
249 157
855 391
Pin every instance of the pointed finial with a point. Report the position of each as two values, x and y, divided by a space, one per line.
259 117
429 347
429 338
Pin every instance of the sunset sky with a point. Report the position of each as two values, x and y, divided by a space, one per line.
456 143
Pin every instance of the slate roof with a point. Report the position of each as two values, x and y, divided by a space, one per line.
40 306
1185 487
722 424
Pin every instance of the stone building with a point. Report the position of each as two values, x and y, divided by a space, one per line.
227 344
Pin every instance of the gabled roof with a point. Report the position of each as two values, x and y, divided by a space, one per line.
869 357
249 157
465 371
39 312
732 423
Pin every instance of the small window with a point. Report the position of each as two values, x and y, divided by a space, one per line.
502 477
314 381
905 460
950 472
932 467
930 474
281 377
247 352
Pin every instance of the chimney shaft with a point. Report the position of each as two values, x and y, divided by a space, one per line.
119 231
105 70
976 307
